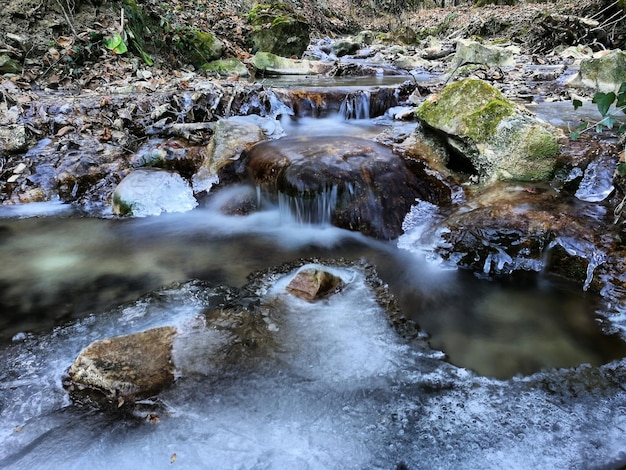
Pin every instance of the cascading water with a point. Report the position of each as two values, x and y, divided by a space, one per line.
309 209
356 105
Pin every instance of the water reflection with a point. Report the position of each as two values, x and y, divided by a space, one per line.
55 269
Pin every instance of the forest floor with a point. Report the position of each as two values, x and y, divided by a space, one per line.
58 43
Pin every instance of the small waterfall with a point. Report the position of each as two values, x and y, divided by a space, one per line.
356 105
309 208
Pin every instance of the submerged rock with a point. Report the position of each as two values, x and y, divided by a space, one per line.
116 372
147 192
490 135
349 182
313 284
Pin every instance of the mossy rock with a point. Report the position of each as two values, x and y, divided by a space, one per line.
278 29
492 134
604 73
200 47
226 67
272 64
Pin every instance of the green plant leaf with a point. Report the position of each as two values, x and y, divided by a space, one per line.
609 121
621 101
621 129
621 169
577 103
622 89
574 135
115 43
604 101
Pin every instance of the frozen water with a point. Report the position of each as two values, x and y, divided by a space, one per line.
597 181
338 389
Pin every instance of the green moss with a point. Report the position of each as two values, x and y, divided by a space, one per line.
199 46
482 123
540 143
121 207
230 66
269 13
465 99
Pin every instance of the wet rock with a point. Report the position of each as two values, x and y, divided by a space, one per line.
271 64
350 182
313 284
345 47
473 52
116 372
508 228
231 137
279 30
173 154
147 192
490 136
604 73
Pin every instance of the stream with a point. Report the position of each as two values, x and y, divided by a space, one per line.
508 373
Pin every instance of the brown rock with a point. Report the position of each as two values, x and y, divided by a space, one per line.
312 284
120 370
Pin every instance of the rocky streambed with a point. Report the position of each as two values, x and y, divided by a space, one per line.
413 196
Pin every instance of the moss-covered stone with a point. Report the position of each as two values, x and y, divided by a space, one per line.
278 29
604 73
200 47
491 133
268 63
226 67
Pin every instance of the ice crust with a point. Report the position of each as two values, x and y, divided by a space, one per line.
339 390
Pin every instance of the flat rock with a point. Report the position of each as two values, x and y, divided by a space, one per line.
120 370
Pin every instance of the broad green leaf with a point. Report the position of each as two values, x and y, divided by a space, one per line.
574 135
621 101
603 101
622 88
609 121
599 127
577 103
621 129
115 43
621 169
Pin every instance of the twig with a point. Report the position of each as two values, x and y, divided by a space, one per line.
67 18
607 8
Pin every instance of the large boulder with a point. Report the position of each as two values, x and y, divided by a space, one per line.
271 64
605 73
488 135
473 52
200 47
278 29
145 192
349 182
116 372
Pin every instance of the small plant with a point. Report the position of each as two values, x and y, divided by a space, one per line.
603 101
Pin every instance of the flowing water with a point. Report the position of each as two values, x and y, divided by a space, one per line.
340 389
